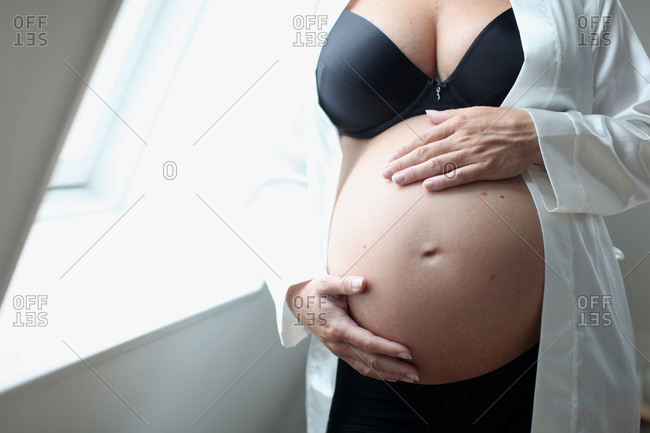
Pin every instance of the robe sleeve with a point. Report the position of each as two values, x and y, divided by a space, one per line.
281 217
599 163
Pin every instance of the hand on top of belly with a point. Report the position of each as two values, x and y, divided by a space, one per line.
321 305
465 145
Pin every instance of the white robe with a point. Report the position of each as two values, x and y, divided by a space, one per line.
591 107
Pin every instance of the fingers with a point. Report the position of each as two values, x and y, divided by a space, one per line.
376 357
431 135
442 149
400 169
373 356
445 164
466 174
367 353
334 286
382 367
440 116
368 342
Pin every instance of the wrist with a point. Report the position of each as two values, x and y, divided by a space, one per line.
529 137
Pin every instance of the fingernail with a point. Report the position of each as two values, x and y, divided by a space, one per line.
356 283
407 380
405 356
399 178
388 172
413 377
430 111
430 185
392 157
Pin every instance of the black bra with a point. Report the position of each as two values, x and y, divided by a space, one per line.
366 84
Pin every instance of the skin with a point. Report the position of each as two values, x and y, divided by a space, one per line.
366 352
483 142
455 276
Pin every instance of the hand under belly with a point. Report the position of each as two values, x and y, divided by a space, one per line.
456 275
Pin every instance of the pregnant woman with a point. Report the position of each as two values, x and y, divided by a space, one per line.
450 280
466 318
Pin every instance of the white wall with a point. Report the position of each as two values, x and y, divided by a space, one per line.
39 96
171 377
630 231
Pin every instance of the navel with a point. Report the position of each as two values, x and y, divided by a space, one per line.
429 253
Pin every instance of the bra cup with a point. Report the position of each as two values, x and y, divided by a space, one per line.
349 106
366 84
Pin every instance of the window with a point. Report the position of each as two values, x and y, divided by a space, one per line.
181 82
88 132
120 109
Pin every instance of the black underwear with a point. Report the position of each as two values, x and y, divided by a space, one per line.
500 401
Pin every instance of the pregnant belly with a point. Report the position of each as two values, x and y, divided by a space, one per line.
457 276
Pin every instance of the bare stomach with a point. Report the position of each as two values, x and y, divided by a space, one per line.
457 276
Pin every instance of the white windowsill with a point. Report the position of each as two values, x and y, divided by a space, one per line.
163 262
